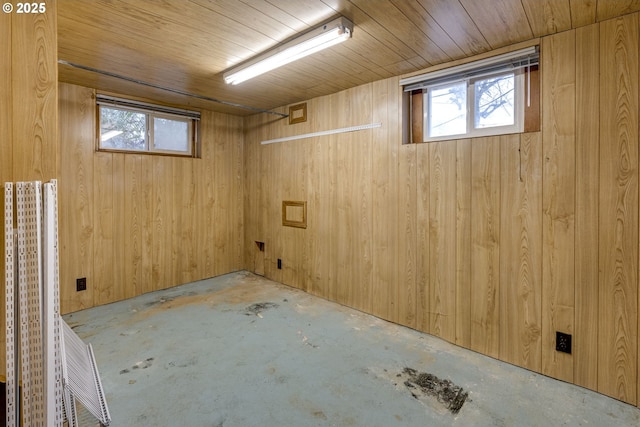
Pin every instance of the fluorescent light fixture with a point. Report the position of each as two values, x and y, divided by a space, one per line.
325 36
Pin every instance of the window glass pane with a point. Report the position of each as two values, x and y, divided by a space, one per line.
448 110
494 101
122 129
170 134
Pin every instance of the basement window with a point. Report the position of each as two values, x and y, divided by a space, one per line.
131 126
494 96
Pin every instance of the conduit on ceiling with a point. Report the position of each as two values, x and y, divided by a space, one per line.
167 89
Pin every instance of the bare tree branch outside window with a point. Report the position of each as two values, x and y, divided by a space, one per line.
123 129
494 101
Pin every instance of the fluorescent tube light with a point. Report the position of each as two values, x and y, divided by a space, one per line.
313 41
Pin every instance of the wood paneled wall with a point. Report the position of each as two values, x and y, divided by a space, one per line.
618 213
491 243
28 109
134 223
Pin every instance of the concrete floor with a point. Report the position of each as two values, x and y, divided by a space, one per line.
204 355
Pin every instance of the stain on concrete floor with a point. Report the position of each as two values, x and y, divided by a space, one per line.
257 308
308 362
143 364
424 385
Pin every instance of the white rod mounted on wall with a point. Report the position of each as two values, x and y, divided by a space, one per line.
322 133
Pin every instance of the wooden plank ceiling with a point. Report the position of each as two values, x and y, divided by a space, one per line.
187 45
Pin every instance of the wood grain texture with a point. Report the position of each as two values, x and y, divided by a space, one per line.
162 204
103 238
361 294
583 12
350 198
390 38
423 244
521 250
253 218
463 242
547 16
133 209
361 174
384 179
208 191
35 96
314 187
388 15
442 239
291 182
558 94
120 287
618 219
341 204
271 200
417 110
407 237
296 178
457 23
146 222
320 193
183 224
226 165
76 195
609 9
485 246
502 24
346 198
6 112
587 205
429 27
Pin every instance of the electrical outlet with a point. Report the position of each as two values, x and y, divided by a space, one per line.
279 264
81 284
563 342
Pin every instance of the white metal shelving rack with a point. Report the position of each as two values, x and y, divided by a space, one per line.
50 362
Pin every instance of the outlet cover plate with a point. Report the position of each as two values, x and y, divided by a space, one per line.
563 342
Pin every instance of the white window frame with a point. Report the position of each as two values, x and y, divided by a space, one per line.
520 62
471 130
151 112
151 137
